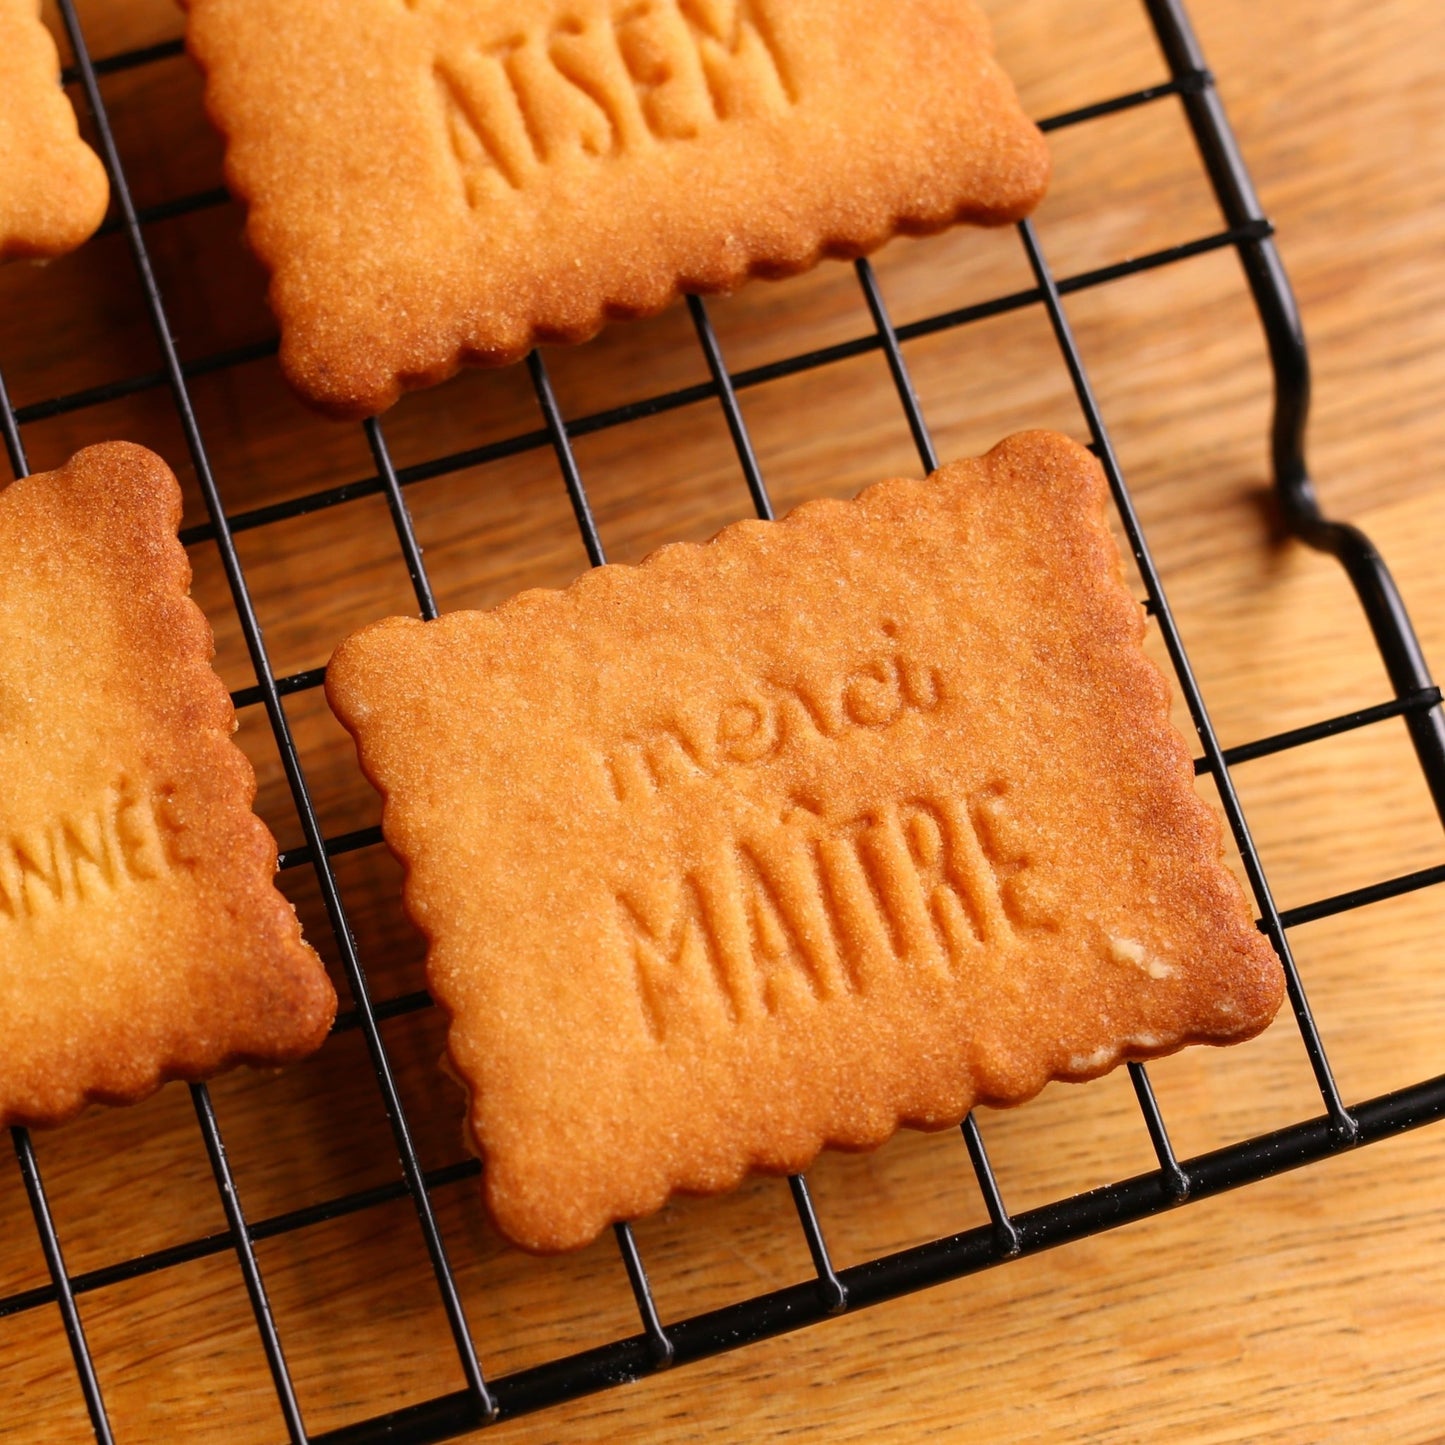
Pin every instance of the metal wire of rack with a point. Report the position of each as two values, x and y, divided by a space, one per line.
1337 1127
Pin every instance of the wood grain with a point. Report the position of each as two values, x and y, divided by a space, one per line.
1303 1309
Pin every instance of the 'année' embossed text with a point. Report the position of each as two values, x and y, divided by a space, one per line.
128 835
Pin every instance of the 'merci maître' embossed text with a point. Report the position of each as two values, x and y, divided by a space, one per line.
801 901
639 73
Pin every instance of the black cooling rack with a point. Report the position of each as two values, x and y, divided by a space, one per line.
1416 699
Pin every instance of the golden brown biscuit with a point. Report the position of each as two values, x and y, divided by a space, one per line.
53 191
141 935
433 182
831 825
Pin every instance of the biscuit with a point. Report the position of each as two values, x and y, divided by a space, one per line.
433 182
776 843
141 934
53 190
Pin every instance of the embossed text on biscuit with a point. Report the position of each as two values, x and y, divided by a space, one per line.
814 907
753 727
129 835
584 83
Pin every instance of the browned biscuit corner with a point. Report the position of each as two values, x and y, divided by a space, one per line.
142 937
437 182
773 844
53 189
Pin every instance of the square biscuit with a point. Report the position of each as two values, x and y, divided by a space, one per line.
434 182
142 937
773 844
53 190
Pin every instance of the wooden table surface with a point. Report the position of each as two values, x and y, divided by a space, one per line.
1307 1308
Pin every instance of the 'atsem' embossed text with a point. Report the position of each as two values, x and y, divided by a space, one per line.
648 71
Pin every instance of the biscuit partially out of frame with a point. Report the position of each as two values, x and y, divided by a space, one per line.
831 825
433 182
141 934
53 191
